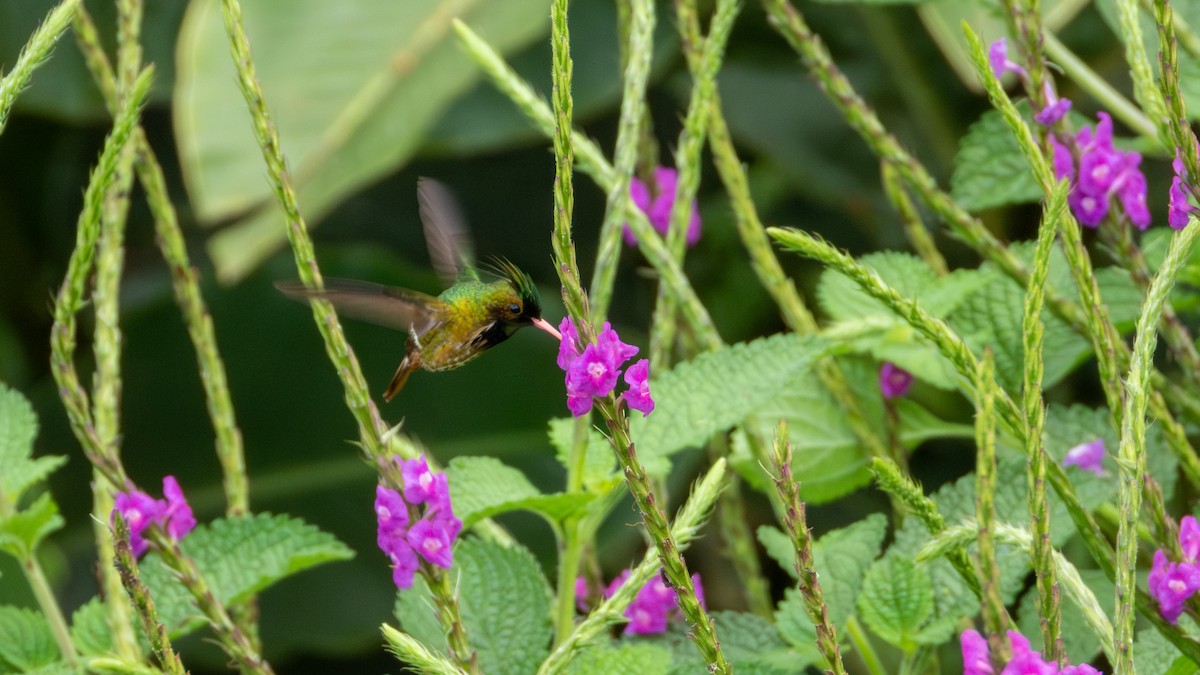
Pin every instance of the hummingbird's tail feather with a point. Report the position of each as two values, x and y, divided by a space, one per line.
410 362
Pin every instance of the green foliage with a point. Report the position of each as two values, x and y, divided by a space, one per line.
599 464
21 532
89 629
829 462
1078 639
238 557
505 603
361 116
1153 653
481 487
990 170
717 390
749 641
622 659
18 428
25 640
897 603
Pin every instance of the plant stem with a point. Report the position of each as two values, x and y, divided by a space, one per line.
33 54
49 605
862 645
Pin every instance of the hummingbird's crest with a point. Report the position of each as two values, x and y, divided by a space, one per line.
446 233
531 300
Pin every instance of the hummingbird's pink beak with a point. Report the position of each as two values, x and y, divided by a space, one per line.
545 325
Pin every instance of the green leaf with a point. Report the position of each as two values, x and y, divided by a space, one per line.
623 659
353 87
481 487
505 603
992 317
1081 644
1153 653
989 169
599 467
18 428
716 391
896 600
841 557
828 459
752 642
89 629
21 532
26 642
238 557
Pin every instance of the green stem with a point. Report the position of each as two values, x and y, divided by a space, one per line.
442 586
862 645
995 617
33 54
49 605
163 655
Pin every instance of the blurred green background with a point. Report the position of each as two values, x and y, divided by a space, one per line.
807 169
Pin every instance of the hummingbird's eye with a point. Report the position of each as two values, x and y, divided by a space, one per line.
514 309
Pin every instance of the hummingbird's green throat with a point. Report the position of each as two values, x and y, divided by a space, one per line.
469 317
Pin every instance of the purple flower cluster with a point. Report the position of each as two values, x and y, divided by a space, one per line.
655 201
1024 661
432 535
140 510
1178 206
1171 583
1103 172
894 381
1087 456
1055 108
653 606
592 371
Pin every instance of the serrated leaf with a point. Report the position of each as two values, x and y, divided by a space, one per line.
623 659
481 487
352 86
1153 653
26 642
716 391
599 462
828 459
841 557
89 629
896 600
505 602
238 557
21 532
989 169
754 644
992 317
18 429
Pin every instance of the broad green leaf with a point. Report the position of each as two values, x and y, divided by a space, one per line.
989 170
896 600
718 390
89 629
481 487
622 659
505 603
599 464
25 640
841 557
992 316
828 459
1153 653
869 326
238 557
352 86
18 428
748 641
21 532
1081 644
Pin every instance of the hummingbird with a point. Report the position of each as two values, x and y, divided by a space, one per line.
471 316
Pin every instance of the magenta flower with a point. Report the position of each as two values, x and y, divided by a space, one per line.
653 606
1087 456
1171 584
655 201
638 394
975 654
998 58
140 511
1055 108
593 372
1178 206
1024 661
1189 539
431 537
1103 172
894 381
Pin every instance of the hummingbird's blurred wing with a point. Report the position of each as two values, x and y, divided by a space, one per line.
446 232
388 306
